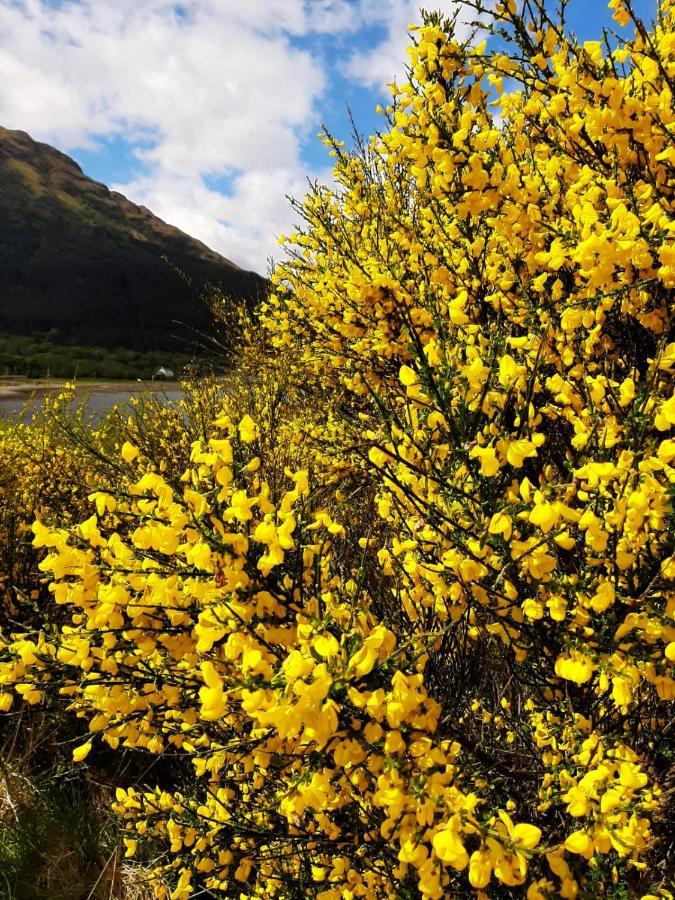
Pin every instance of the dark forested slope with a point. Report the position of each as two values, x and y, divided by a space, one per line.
86 262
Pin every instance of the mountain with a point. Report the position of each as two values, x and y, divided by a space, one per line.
90 267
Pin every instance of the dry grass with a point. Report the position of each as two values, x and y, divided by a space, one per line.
59 841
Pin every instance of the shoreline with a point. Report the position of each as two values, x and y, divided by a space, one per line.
18 389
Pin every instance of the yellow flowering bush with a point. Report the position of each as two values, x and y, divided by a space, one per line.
398 616
41 472
491 284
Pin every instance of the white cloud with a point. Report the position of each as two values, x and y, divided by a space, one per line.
199 89
215 89
243 224
218 86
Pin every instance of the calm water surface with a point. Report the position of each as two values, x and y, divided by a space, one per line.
19 400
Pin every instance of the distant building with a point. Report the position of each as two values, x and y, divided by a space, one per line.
163 372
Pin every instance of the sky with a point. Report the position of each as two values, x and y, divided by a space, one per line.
207 111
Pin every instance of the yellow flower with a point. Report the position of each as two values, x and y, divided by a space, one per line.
603 597
665 417
480 868
211 696
247 429
666 451
407 376
363 661
500 523
576 668
620 15
129 452
626 392
81 752
449 848
579 842
326 645
520 450
544 515
456 309
489 464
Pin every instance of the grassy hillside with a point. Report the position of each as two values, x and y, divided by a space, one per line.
93 268
39 356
